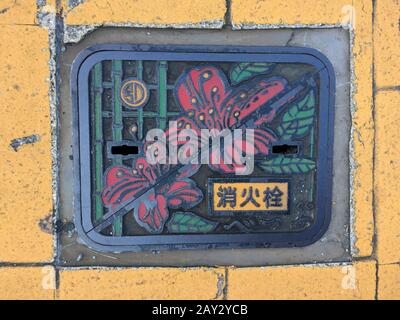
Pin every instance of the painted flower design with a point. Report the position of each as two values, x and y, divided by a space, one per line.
123 183
207 101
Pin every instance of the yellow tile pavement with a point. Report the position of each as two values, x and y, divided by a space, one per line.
25 191
387 43
363 128
27 283
387 182
304 282
144 12
17 12
142 283
289 12
389 282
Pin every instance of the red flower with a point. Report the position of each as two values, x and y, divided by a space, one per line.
123 183
209 102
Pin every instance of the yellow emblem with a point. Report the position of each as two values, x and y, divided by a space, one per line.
134 93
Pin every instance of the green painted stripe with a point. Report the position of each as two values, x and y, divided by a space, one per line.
117 125
140 110
98 137
162 93
117 120
311 192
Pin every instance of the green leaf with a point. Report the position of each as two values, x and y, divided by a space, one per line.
283 165
298 119
188 222
246 70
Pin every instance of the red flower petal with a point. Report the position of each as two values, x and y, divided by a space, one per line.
259 143
200 93
121 184
248 98
262 141
152 213
182 123
146 170
222 165
208 102
183 194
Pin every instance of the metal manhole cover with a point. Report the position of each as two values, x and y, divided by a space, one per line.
202 147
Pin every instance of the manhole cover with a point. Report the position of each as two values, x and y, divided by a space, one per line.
202 147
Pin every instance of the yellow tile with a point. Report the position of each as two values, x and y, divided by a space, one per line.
288 11
143 283
18 12
387 43
389 282
25 189
387 176
363 129
159 12
27 283
304 282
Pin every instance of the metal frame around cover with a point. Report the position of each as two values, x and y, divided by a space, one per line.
81 67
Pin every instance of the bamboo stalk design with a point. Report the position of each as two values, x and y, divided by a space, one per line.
140 110
98 137
162 93
117 115
311 192
117 124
